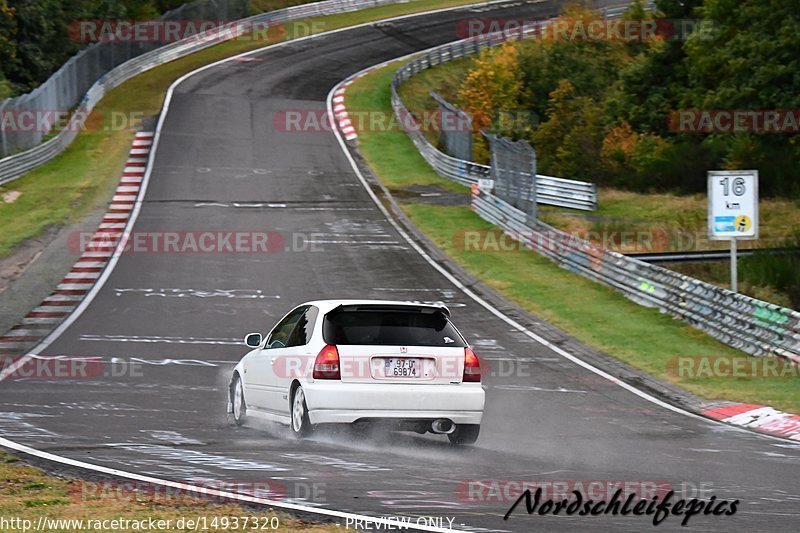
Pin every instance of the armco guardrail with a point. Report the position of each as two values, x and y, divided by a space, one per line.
708 256
753 326
549 190
16 165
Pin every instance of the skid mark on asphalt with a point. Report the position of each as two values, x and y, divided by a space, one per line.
154 339
533 388
145 385
327 461
15 425
166 362
194 457
446 296
243 294
172 437
85 406
271 205
219 173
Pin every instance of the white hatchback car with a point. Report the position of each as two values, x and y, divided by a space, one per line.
362 361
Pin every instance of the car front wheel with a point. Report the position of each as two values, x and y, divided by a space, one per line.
301 425
465 434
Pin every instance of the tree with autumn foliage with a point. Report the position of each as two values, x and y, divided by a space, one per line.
492 87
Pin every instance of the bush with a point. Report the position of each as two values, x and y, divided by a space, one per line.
568 142
777 271
6 90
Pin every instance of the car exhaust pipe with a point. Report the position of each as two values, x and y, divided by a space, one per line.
443 426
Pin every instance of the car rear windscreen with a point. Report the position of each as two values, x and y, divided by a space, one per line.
390 328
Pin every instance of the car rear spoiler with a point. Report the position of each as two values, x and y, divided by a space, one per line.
410 307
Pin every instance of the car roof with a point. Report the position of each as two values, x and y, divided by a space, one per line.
328 305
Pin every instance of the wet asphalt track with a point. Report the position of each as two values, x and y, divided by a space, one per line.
221 165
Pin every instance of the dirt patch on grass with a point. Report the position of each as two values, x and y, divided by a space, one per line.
430 194
26 253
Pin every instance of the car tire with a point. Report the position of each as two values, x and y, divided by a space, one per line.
300 423
465 434
239 407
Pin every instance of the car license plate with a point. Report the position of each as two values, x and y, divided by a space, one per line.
401 367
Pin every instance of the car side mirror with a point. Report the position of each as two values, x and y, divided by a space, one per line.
253 340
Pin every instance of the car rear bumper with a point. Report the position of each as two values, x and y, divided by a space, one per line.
332 402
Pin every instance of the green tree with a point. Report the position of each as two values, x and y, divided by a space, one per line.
568 143
41 42
8 45
34 34
749 60
591 65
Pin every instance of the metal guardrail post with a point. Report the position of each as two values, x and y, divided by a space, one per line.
4 151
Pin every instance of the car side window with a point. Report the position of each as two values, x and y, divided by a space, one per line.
279 337
305 328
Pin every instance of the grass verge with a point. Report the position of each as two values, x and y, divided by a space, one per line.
27 494
590 312
83 177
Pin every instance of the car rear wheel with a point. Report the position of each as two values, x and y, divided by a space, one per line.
301 425
237 399
465 434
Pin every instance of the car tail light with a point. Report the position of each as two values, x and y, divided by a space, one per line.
472 367
326 366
